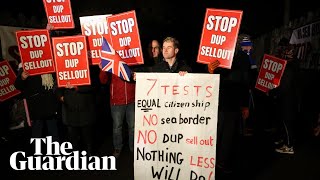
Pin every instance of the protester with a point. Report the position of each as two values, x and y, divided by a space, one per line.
154 56
79 113
122 98
286 98
246 47
171 63
155 52
233 106
40 94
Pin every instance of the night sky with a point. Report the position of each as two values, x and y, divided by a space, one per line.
172 15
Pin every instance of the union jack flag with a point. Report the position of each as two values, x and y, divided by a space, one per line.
112 62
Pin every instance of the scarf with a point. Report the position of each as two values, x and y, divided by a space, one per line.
47 81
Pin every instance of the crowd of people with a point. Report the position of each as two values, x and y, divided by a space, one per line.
239 101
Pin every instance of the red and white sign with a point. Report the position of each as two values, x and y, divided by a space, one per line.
125 37
7 78
270 73
94 28
59 13
35 51
71 60
219 36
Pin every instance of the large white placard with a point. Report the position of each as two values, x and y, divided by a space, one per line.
175 126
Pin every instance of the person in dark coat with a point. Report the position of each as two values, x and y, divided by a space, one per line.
170 61
233 107
79 113
286 97
40 93
122 105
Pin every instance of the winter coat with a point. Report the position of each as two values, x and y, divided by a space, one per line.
179 65
42 103
79 104
234 84
78 107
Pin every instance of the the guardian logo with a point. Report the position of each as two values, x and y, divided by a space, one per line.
59 157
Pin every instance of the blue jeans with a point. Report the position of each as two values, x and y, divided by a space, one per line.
118 113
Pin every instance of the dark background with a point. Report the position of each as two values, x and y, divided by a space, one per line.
172 16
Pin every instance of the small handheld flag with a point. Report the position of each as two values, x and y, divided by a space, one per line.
112 62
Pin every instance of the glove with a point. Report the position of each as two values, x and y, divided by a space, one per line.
212 66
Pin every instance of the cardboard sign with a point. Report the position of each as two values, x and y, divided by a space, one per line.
71 60
7 78
35 51
9 47
59 13
219 36
175 126
125 38
94 28
270 73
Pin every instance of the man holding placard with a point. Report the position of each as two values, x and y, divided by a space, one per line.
217 49
233 106
171 63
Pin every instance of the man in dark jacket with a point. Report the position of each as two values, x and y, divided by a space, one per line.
171 63
286 97
79 112
233 106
